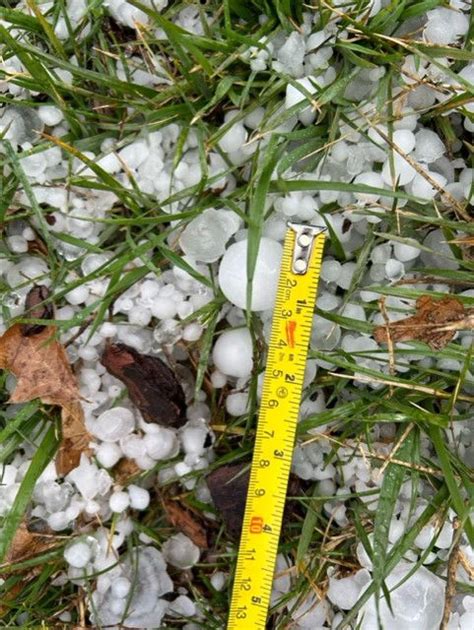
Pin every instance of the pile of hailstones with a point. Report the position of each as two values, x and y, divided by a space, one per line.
158 312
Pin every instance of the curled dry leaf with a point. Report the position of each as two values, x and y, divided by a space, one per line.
435 322
186 521
228 486
152 385
42 369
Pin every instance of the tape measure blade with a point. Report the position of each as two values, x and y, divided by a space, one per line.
276 429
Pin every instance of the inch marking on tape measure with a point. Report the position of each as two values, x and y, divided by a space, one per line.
276 429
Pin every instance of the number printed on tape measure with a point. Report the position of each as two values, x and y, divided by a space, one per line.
278 415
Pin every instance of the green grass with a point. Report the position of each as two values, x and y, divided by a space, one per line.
207 78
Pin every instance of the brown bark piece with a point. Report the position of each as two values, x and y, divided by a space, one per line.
152 385
42 369
435 322
183 519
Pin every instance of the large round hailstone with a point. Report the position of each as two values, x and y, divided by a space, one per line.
112 425
233 276
232 353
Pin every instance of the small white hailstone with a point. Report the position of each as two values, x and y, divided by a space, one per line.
330 270
163 308
119 501
417 602
50 115
429 146
139 497
134 154
421 187
112 425
354 311
394 269
291 55
28 234
233 276
368 179
405 252
161 445
310 613
180 551
234 137
205 237
218 379
236 403
58 521
402 172
121 587
108 454
192 332
218 580
78 295
233 353
87 353
78 554
345 276
445 26
295 95
89 479
325 334
344 592
253 119
182 469
445 537
139 316
404 139
184 309
193 437
183 607
17 244
328 301
198 411
109 163
92 507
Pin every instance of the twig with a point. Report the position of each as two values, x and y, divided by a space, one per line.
453 561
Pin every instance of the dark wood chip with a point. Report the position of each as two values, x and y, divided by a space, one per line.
183 519
36 309
152 385
228 486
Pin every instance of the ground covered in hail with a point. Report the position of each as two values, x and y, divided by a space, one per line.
151 154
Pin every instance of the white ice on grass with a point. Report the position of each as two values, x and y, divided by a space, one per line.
417 602
180 551
112 425
344 592
78 554
233 353
233 274
205 237
145 568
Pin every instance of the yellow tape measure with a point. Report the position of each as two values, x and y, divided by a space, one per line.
278 417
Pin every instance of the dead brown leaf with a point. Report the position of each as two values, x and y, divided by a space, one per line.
435 322
124 470
183 519
42 369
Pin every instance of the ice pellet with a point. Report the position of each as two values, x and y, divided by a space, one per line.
233 353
